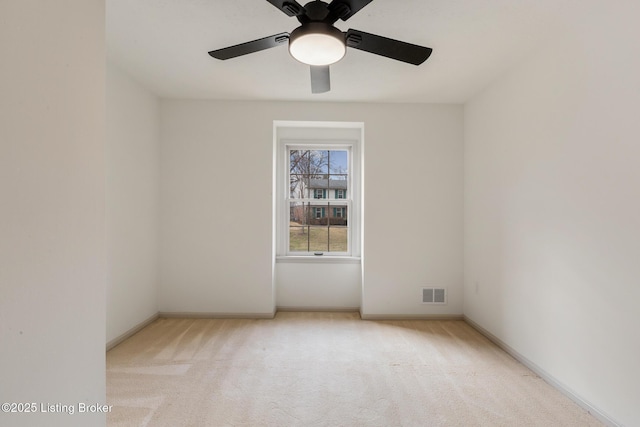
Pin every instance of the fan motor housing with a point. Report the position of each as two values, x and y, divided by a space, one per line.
314 11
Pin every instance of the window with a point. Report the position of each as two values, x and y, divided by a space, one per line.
320 172
317 180
319 193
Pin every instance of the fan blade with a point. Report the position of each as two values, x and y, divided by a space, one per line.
394 49
290 7
250 47
320 79
345 9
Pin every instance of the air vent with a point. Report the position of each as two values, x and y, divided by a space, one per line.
281 39
353 40
434 296
291 9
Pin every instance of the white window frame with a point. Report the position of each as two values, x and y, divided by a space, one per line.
317 136
317 211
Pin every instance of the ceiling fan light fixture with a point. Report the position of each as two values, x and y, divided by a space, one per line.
318 44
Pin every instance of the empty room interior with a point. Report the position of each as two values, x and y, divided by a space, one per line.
155 202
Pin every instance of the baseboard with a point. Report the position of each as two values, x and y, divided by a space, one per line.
587 406
214 315
318 309
114 342
411 316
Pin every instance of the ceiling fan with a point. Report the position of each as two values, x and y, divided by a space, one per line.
316 42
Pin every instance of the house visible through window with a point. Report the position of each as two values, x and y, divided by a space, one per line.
319 193
319 182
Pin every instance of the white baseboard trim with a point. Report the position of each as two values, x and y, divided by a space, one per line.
114 342
213 315
411 316
310 309
587 406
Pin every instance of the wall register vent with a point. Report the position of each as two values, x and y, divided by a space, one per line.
434 296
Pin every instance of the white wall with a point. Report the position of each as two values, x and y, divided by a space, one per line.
52 201
318 285
216 243
413 157
552 209
133 157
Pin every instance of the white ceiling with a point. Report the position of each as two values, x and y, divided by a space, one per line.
164 44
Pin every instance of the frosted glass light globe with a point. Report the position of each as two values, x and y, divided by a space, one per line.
317 44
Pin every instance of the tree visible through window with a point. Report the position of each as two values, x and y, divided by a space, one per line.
319 201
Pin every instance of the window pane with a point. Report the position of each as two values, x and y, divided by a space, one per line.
318 239
338 239
319 160
338 173
301 166
338 161
296 174
309 162
298 186
318 214
298 239
338 215
297 214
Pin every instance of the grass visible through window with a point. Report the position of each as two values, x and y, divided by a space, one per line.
314 238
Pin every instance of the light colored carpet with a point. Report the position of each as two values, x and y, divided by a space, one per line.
325 369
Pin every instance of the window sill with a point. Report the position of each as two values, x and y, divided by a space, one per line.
314 259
